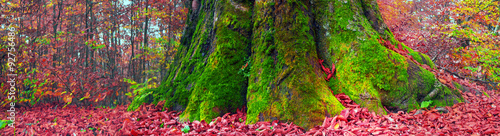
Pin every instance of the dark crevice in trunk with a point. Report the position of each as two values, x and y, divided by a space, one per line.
375 19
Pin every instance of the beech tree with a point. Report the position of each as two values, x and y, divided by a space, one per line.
271 57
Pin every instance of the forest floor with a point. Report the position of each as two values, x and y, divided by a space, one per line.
479 115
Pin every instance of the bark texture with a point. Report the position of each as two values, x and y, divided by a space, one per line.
263 55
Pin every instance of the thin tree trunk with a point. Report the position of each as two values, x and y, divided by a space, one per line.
145 65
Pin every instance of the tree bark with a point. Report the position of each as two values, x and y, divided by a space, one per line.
264 55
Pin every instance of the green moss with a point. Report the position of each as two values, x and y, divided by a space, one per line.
442 100
368 72
188 65
285 82
458 86
264 69
416 56
219 88
421 58
356 53
195 69
361 82
430 63
143 97
284 75
412 103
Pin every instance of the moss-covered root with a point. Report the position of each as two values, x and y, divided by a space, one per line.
286 82
220 89
369 73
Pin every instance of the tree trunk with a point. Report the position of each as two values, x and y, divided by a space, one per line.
282 42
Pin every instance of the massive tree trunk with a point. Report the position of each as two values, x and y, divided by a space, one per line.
264 55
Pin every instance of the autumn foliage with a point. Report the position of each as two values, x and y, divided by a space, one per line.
74 55
461 37
80 51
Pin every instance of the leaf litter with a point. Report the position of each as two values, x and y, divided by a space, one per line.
479 115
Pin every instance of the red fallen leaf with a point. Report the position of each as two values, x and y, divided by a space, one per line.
143 122
170 122
336 126
489 131
328 77
318 133
330 73
322 67
341 118
226 129
125 132
345 112
326 122
342 96
175 131
263 127
376 133
466 116
213 131
352 105
165 115
251 132
275 123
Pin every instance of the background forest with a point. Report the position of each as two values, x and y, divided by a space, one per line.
103 53
461 37
88 52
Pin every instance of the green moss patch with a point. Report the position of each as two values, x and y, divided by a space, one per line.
285 82
220 89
